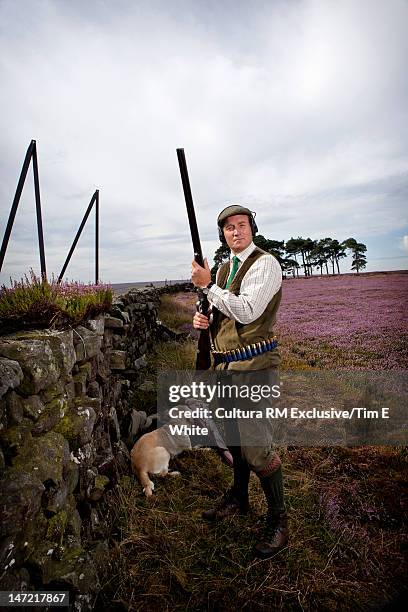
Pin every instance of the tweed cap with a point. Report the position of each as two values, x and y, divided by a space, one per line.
234 209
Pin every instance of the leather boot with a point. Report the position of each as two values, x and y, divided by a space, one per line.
275 536
229 505
276 533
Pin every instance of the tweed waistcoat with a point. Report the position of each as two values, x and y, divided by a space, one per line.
228 334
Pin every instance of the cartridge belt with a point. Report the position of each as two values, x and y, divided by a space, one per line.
244 352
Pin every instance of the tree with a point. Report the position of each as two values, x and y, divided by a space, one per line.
275 247
358 249
221 255
308 246
359 263
319 255
335 251
292 247
290 265
299 245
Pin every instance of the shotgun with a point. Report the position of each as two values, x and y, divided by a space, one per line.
203 357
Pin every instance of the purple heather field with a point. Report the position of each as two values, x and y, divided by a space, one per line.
347 321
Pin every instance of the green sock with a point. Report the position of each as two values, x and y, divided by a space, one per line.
272 486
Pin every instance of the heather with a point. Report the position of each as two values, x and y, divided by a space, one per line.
34 302
345 322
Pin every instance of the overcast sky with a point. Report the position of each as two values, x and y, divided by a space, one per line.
297 109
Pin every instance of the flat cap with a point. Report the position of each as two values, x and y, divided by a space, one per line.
234 209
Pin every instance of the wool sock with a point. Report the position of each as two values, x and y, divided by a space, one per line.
272 486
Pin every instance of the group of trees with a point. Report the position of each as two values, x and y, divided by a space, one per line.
305 253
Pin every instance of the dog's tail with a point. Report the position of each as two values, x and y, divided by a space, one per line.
147 484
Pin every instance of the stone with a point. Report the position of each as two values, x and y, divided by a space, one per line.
33 407
42 355
74 521
118 342
52 391
44 457
55 496
77 424
7 550
65 524
126 318
53 412
97 325
114 427
94 390
15 579
14 438
113 322
80 383
118 360
122 457
107 338
86 455
103 371
3 414
118 310
15 408
69 392
93 402
96 491
87 343
138 307
63 349
137 423
73 568
20 500
56 526
11 375
105 460
140 363
86 369
71 473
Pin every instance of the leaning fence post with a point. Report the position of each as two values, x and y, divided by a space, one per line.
95 198
31 154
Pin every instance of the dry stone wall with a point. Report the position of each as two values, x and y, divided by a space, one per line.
66 399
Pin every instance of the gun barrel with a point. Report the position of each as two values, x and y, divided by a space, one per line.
198 254
203 357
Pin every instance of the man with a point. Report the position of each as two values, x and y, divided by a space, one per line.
244 302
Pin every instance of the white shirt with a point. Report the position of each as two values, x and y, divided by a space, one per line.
258 286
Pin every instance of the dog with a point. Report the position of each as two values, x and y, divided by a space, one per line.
152 452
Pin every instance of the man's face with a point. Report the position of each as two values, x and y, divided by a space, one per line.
237 232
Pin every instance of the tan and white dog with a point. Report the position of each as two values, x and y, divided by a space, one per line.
152 452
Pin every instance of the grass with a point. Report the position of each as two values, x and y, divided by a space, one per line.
166 557
176 310
173 356
347 526
34 302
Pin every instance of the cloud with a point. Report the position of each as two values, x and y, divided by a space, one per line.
293 108
405 242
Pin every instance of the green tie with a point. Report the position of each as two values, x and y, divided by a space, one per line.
235 262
